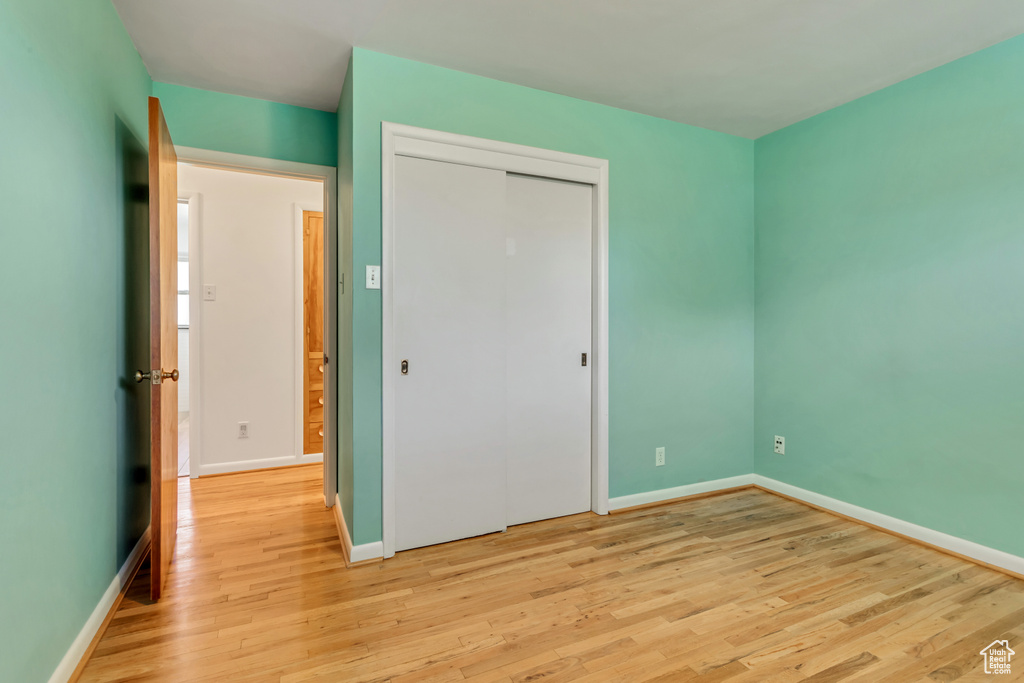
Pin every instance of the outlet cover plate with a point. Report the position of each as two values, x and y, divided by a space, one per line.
373 277
780 445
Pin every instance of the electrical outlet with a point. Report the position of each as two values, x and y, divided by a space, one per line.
659 456
780 445
243 430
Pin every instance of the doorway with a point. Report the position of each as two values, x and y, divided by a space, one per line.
255 293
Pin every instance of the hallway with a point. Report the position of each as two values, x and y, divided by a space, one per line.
256 552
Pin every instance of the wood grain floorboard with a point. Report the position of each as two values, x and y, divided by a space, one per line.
742 587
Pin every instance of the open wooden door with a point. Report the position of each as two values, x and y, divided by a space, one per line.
162 373
313 331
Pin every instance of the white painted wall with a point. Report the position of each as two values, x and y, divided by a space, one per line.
247 351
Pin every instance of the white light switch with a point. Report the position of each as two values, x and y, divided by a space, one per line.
373 277
209 292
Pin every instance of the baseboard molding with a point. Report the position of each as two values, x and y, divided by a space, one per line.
662 495
937 540
953 545
355 554
75 659
206 470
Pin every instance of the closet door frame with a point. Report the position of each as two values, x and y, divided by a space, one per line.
422 143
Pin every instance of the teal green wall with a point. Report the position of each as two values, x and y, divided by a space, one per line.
73 88
681 268
889 291
345 473
243 125
890 300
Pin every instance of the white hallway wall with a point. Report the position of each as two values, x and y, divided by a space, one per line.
247 350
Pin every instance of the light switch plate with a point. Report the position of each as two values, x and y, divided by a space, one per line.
373 277
209 292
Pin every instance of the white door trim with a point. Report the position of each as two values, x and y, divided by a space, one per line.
402 140
195 308
328 175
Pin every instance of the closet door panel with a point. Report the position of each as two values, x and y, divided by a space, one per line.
449 308
549 265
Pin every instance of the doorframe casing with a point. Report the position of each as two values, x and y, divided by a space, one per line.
328 175
194 370
423 143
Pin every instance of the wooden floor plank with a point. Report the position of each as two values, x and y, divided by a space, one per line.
740 587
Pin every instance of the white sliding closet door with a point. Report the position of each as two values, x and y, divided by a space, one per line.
450 325
550 233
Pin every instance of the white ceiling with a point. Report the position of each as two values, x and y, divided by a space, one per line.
745 67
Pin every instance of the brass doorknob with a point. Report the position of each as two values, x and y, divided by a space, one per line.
156 376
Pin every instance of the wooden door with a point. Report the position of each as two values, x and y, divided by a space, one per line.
313 330
163 329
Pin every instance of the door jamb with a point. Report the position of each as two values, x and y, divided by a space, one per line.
328 175
402 140
194 370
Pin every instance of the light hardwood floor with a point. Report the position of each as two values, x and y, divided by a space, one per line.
745 586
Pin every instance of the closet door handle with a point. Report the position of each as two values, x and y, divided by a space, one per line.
405 367
583 360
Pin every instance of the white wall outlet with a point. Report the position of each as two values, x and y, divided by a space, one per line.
373 277
659 456
209 292
243 430
780 445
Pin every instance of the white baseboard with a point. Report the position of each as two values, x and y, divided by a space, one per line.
249 465
968 549
679 491
355 553
953 544
84 639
